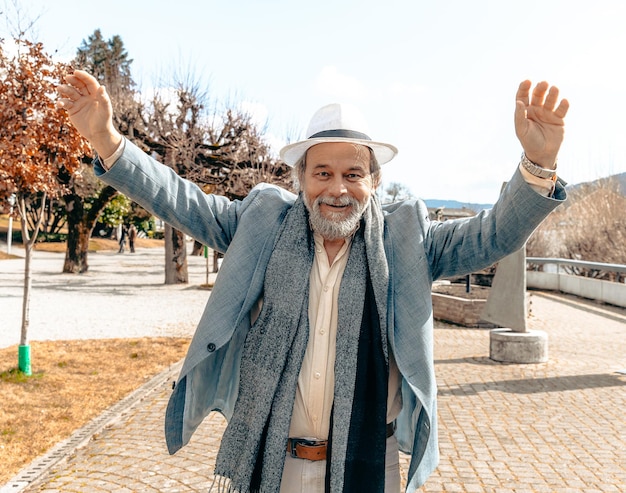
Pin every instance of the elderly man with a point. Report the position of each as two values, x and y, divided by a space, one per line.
316 342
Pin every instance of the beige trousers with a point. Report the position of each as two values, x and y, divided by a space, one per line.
305 476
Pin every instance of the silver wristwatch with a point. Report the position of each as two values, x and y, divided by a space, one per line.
536 170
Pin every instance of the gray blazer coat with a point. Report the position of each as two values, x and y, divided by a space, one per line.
418 252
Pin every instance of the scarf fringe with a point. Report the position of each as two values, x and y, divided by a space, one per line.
225 485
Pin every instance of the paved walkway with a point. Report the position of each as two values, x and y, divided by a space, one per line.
121 295
552 427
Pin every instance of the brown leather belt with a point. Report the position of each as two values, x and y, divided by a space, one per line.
302 448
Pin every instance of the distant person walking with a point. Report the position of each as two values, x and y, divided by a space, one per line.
132 236
122 231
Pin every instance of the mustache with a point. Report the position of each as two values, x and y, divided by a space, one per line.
336 201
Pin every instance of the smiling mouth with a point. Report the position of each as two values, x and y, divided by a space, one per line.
334 208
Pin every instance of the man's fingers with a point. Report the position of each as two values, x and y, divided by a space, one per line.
65 97
83 82
87 81
520 118
76 83
76 89
523 91
561 110
69 95
543 96
539 94
68 92
551 98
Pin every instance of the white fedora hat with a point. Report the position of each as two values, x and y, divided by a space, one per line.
337 123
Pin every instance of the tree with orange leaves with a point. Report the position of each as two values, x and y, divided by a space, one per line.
39 149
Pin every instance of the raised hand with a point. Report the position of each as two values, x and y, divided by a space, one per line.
539 123
89 108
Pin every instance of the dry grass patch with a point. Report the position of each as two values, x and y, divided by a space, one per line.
98 244
6 256
72 383
95 245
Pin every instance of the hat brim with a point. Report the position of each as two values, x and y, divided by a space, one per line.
292 153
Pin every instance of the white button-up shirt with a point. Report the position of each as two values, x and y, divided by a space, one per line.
316 383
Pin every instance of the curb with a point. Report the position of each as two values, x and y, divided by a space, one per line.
64 449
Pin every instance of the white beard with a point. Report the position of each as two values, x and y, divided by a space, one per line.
336 226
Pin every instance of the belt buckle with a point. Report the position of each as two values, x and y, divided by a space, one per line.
302 441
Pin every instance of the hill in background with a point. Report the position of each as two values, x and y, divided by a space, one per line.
455 204
620 179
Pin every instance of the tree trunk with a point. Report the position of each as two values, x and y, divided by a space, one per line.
80 224
78 234
76 260
176 271
28 283
198 248
29 243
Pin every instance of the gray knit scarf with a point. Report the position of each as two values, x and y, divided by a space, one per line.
253 448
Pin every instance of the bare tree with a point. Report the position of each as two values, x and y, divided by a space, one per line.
173 128
591 226
19 23
239 159
396 192
223 154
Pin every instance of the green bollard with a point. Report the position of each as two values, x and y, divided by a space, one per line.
23 360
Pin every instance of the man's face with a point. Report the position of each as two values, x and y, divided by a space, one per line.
337 187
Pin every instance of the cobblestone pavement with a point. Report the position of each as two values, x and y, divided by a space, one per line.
552 427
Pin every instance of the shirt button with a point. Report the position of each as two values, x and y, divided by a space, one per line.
317 375
325 288
211 347
322 331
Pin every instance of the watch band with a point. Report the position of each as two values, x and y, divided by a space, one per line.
536 170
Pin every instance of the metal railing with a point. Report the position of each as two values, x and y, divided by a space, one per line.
603 282
578 263
597 267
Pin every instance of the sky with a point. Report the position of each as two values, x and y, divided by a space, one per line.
435 78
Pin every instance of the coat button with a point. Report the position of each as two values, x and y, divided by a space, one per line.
211 347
